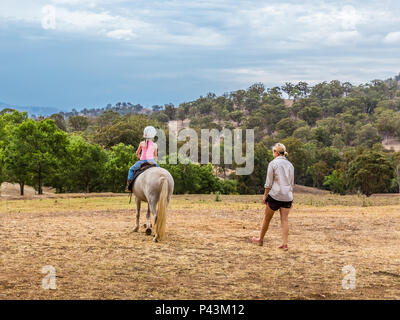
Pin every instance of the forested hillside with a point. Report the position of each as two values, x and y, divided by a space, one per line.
333 131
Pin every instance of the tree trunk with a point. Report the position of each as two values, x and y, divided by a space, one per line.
87 183
40 191
398 175
21 188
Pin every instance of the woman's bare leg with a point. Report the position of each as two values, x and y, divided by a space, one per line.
269 213
285 224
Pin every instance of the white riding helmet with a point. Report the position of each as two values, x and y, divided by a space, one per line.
149 132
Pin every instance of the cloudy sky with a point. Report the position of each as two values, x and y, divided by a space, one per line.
87 53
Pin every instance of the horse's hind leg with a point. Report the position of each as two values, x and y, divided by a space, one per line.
148 226
138 203
153 209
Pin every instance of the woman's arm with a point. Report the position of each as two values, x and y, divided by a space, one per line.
266 194
268 181
139 150
155 151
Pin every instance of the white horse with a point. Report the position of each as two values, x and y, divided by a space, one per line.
153 186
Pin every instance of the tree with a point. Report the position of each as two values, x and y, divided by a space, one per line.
127 129
396 162
347 87
137 108
169 110
252 101
6 110
59 121
120 158
156 108
257 88
37 147
311 114
287 126
319 171
288 89
87 162
303 88
254 183
183 111
398 176
386 123
371 172
271 114
303 133
298 156
160 117
321 134
368 136
237 116
336 88
190 177
107 118
1 166
9 120
13 117
16 163
275 92
238 98
78 123
330 155
321 91
335 183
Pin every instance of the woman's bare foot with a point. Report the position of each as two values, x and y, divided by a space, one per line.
257 241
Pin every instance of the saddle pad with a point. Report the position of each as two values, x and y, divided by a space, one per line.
138 172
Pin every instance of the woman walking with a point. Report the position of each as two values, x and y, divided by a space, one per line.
278 193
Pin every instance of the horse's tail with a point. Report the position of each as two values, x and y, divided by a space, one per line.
161 210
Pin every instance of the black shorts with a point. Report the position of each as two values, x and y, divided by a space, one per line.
276 204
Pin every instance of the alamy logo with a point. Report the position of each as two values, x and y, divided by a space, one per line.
233 147
349 279
49 17
49 281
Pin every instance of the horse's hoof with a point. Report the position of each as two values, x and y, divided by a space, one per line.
135 229
148 231
155 239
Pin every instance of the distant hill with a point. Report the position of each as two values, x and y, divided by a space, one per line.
122 108
32 110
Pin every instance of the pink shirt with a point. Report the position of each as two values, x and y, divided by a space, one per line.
148 151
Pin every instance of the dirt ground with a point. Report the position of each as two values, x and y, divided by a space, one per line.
207 253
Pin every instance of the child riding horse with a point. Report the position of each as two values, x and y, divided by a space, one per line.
147 151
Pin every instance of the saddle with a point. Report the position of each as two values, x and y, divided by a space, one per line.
144 166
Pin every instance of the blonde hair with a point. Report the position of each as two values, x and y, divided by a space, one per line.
280 149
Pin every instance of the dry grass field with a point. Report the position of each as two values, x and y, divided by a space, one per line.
207 253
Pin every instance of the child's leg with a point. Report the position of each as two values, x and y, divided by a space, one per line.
153 161
133 169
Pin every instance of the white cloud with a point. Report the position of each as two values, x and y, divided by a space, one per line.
392 38
89 3
312 70
342 37
73 20
331 17
223 24
121 34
